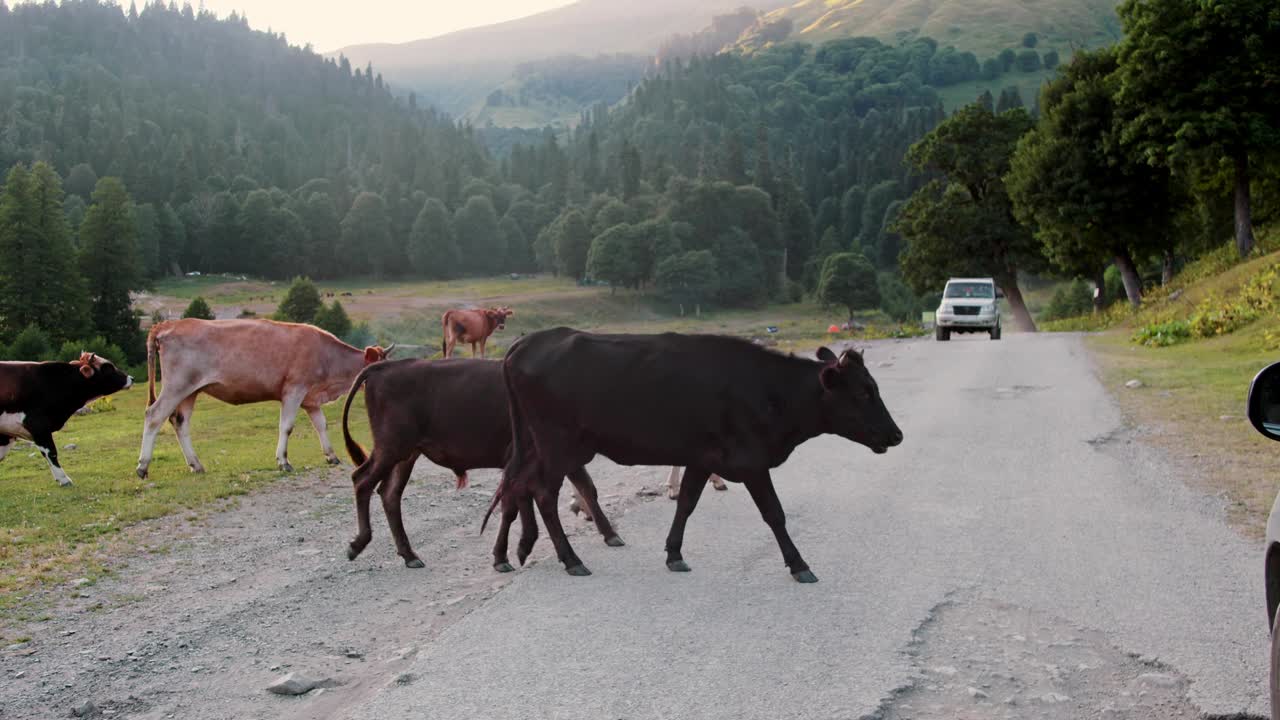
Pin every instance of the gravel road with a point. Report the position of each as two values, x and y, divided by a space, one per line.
1018 556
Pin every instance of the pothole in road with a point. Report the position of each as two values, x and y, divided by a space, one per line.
984 659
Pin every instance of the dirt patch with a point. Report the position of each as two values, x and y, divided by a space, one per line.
242 597
979 658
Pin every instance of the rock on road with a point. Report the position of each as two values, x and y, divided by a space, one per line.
1014 522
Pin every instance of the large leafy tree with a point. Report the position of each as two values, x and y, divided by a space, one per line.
432 249
1201 77
849 279
1072 179
963 223
572 243
688 279
110 263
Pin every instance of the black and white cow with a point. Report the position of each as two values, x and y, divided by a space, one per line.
37 399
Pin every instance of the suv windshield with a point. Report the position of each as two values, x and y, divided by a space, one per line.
970 290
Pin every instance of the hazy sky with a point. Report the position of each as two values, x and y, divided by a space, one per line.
331 25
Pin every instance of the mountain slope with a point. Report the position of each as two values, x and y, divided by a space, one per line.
981 26
456 71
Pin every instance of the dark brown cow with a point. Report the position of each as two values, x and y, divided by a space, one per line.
452 411
246 361
712 404
37 399
472 326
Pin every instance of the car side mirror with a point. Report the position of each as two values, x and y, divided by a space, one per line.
1264 402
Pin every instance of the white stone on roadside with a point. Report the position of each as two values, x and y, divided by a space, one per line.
1160 680
293 684
977 694
1133 384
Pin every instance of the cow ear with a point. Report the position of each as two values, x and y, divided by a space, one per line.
86 370
826 356
373 354
829 377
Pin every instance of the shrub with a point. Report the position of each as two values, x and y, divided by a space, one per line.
198 309
71 350
1163 334
32 345
247 313
359 336
1069 301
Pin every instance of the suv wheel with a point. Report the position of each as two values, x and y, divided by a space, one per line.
995 333
941 334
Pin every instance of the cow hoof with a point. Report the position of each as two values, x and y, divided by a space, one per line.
64 482
678 566
805 576
285 466
503 567
333 460
198 469
142 473
721 487
352 552
578 571
522 555
614 541
415 564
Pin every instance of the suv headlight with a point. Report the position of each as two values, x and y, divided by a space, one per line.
988 309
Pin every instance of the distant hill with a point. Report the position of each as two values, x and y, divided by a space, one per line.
984 27
457 71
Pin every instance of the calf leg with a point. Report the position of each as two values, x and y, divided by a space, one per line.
316 413
391 493
366 477
5 444
673 483
43 440
528 528
181 421
510 508
546 496
586 490
766 499
691 485
289 406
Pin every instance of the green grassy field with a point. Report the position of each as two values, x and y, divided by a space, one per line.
49 535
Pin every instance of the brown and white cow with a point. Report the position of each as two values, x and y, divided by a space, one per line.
241 362
37 399
472 326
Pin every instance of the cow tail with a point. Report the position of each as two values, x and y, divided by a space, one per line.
444 337
517 427
151 365
357 453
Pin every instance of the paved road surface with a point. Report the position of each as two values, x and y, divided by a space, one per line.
1015 521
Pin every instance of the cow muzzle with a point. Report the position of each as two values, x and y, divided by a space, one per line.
128 381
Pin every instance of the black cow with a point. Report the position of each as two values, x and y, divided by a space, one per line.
454 412
37 399
710 403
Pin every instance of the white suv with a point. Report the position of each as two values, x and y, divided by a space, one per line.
969 305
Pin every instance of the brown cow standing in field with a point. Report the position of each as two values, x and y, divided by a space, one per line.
37 399
413 410
472 326
241 362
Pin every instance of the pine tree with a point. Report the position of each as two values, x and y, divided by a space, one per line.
334 319
366 235
479 239
301 303
199 309
109 262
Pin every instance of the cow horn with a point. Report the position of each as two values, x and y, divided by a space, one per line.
387 352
